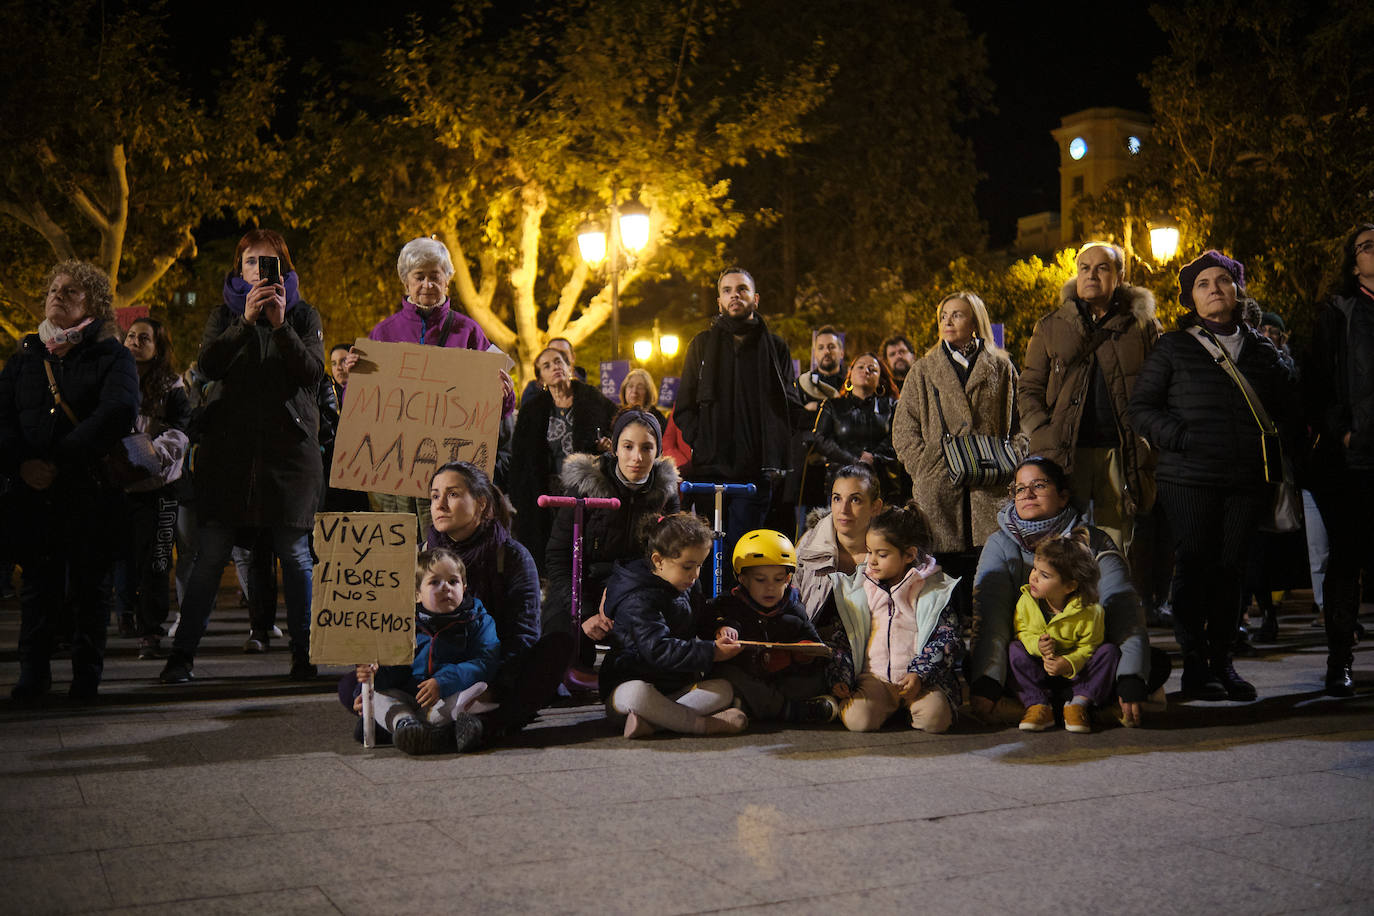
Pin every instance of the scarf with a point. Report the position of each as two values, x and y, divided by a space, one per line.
60 341
236 290
1224 328
479 554
1028 533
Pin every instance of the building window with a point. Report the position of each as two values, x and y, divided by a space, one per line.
1077 186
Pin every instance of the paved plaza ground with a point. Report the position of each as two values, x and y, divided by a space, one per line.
245 793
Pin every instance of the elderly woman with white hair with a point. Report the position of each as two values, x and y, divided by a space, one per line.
427 316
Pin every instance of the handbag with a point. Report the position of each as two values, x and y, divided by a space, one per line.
1285 514
133 460
976 459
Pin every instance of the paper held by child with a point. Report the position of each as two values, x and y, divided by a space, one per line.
799 648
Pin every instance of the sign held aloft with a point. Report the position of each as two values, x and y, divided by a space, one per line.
362 606
411 408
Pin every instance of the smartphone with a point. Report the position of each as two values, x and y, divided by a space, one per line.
269 268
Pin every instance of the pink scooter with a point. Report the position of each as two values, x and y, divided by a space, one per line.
576 677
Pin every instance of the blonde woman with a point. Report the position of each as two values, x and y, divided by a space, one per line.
638 392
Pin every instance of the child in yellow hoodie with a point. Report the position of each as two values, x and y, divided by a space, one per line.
1059 637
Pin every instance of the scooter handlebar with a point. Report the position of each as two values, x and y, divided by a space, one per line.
591 502
729 489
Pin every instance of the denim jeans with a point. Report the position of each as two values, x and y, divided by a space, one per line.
214 545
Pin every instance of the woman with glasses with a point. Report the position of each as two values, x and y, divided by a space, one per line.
1039 508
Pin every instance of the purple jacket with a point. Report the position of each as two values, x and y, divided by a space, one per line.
407 326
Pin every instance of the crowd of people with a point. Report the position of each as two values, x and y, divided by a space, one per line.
915 526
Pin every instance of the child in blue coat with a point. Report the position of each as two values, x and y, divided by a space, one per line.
424 705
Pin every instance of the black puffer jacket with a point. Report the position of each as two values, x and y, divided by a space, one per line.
1190 410
849 426
258 461
99 380
1338 386
654 638
607 535
532 462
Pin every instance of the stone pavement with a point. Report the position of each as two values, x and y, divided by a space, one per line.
245 793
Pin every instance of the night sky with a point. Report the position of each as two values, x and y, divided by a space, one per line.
1046 60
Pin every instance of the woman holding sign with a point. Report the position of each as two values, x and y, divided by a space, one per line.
427 316
257 464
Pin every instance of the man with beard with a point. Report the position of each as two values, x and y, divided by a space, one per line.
738 403
826 378
898 355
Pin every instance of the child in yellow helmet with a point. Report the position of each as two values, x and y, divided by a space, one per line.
771 684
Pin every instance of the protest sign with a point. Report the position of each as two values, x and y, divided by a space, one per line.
613 372
362 603
410 408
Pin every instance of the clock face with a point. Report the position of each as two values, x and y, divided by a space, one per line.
1078 147
1133 145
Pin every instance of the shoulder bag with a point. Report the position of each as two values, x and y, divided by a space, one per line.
976 460
130 462
1286 514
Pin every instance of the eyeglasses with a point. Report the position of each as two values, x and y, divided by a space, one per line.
1036 487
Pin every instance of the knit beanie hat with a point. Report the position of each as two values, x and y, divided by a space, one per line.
1272 318
1209 258
626 417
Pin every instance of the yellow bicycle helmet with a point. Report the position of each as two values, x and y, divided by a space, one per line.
764 547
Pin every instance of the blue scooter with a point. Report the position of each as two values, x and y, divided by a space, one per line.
721 490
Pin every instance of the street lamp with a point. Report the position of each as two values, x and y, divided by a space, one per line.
666 345
1163 239
629 232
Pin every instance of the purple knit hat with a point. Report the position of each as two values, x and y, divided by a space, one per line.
1209 258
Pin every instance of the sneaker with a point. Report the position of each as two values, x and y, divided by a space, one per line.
276 632
1234 686
256 645
128 626
302 670
1037 718
416 738
819 710
1077 719
150 647
1199 682
467 732
177 670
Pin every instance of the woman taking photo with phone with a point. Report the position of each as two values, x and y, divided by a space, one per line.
257 466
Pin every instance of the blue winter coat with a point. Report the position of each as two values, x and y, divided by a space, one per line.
654 638
457 650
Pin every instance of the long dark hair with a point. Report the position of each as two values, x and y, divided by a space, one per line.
494 502
155 381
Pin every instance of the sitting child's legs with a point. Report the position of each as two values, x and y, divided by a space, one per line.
870 705
691 712
1028 675
390 705
449 708
931 712
1097 680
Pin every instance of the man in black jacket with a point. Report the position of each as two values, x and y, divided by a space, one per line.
739 403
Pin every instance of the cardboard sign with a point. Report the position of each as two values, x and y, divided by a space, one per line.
410 408
613 372
362 603
128 315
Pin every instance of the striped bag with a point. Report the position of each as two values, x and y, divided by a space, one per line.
978 460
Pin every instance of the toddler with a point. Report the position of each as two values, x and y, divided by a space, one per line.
1059 636
901 631
423 706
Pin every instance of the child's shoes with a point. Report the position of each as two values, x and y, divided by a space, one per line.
467 732
416 738
1037 718
1077 719
820 710
726 722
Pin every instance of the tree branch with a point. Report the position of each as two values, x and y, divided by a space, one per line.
477 302
31 213
533 203
567 299
74 192
129 293
112 237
